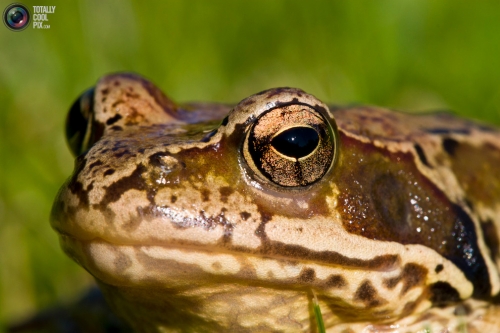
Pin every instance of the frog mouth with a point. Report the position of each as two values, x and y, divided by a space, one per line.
274 264
134 264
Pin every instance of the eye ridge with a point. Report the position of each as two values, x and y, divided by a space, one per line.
296 142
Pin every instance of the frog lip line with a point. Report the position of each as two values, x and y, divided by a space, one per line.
388 263
102 258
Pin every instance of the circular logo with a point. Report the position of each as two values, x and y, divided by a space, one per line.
16 17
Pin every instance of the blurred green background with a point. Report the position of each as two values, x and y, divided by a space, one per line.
405 54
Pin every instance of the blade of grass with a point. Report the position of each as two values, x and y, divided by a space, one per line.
317 314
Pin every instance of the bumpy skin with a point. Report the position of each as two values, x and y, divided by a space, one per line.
184 234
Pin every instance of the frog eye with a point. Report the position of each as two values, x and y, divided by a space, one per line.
79 123
291 145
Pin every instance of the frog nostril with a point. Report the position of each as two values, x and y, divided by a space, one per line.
166 162
209 135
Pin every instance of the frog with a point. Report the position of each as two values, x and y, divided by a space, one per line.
209 217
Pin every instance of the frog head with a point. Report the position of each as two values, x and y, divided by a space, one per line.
208 217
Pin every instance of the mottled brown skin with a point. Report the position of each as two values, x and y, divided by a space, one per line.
184 230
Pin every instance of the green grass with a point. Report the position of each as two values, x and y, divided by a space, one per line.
320 325
411 55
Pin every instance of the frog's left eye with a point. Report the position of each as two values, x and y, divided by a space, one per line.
79 123
291 145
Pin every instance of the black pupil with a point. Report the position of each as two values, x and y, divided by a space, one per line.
296 142
17 16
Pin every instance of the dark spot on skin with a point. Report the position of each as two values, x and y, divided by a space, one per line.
76 187
113 119
120 144
132 95
116 128
391 206
105 150
93 165
143 214
450 145
335 281
225 192
367 294
82 194
116 83
205 194
260 231
300 229
276 91
491 238
438 268
443 294
118 102
462 310
421 155
121 262
447 131
412 275
105 91
173 199
379 263
225 121
208 223
134 117
120 154
121 186
217 266
307 275
245 216
248 102
109 172
141 150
